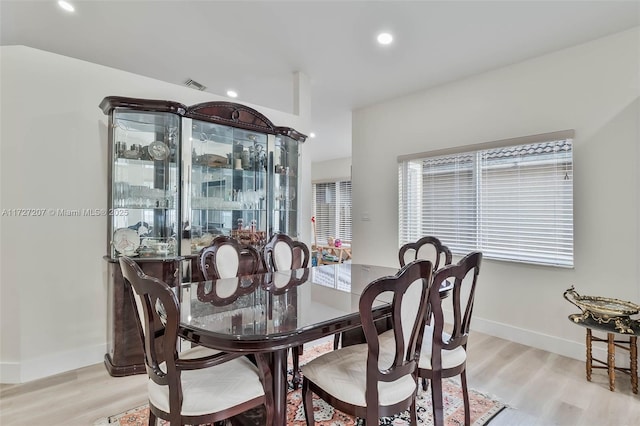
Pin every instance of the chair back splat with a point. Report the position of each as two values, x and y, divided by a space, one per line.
198 385
226 258
379 377
429 248
282 253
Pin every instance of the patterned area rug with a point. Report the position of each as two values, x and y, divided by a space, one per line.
483 407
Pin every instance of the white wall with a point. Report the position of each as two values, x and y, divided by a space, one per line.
592 88
54 155
331 170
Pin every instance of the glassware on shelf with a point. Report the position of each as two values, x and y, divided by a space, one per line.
240 198
291 193
260 194
246 163
133 153
121 193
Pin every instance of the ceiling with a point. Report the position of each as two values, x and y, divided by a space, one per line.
255 47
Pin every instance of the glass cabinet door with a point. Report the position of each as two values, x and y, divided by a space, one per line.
227 184
144 183
285 186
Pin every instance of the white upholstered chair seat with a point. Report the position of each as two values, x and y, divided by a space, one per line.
212 389
343 372
450 359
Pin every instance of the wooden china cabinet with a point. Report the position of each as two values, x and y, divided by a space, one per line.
178 177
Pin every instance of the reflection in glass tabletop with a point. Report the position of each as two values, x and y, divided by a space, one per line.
277 305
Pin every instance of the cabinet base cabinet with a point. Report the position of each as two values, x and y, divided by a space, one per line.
125 354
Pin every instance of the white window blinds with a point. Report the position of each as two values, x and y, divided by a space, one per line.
511 202
332 210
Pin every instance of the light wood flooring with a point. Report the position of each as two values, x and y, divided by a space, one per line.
540 387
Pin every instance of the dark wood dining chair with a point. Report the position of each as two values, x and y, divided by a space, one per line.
226 258
372 379
429 248
198 385
444 353
282 253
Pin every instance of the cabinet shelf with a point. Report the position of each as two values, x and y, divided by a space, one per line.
230 210
137 207
128 162
227 171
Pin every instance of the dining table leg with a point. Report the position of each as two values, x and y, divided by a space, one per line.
279 370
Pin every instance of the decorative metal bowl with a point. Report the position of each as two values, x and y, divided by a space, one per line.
601 307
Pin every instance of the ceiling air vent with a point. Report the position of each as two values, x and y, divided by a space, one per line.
194 84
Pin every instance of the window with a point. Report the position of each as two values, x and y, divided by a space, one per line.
332 210
339 278
512 200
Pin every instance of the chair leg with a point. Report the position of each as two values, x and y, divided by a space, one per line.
425 384
465 396
267 381
295 355
413 416
152 418
307 402
436 400
372 416
336 341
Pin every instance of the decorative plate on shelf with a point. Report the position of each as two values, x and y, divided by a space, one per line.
158 150
126 240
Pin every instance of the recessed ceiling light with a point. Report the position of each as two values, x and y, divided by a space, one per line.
66 6
312 135
232 93
385 38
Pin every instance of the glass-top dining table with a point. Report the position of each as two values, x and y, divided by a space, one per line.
272 312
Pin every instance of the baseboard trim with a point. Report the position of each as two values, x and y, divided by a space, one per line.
9 372
38 368
553 344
